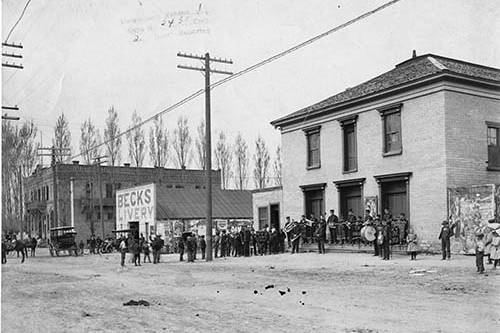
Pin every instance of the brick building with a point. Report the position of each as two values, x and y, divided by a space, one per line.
397 141
79 184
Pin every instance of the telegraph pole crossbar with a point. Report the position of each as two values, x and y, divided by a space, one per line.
208 138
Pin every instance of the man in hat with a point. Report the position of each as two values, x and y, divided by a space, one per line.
332 226
203 246
445 236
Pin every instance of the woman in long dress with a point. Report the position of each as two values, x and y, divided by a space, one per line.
495 249
411 240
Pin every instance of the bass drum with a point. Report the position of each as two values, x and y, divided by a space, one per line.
368 233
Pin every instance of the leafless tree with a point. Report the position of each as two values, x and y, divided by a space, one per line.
158 143
136 141
182 142
277 166
223 159
62 136
113 143
200 145
241 162
89 139
19 154
261 163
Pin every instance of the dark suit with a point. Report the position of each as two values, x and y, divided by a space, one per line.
445 236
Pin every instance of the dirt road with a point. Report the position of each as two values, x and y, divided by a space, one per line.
321 293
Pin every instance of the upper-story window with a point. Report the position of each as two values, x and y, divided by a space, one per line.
109 190
493 140
313 147
350 155
391 119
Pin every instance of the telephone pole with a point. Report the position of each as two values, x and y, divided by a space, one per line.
53 153
98 162
208 138
11 54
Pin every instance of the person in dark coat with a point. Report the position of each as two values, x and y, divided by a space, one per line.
203 246
386 241
145 250
191 246
247 238
281 241
195 236
254 241
34 243
295 234
92 244
274 241
136 251
216 243
445 235
123 250
320 234
332 226
223 245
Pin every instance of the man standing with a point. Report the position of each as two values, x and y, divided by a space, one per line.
445 236
296 232
223 244
247 237
123 250
321 235
203 246
181 249
332 226
386 238
190 247
288 232
216 243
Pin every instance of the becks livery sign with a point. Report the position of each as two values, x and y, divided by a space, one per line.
136 204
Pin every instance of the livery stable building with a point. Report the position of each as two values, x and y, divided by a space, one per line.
421 139
153 209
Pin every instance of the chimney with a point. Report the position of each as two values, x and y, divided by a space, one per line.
126 164
414 54
76 162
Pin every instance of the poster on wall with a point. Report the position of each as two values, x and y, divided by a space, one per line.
371 204
470 208
136 204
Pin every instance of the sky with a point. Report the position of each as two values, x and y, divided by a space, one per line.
83 56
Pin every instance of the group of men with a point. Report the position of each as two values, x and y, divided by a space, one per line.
137 245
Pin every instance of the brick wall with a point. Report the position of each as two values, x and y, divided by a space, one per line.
422 121
466 147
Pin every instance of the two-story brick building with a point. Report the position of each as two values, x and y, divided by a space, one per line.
78 201
397 141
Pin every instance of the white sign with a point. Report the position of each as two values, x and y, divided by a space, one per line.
136 204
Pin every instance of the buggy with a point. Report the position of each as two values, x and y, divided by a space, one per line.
62 239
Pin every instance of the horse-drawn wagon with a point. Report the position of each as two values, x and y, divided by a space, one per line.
62 239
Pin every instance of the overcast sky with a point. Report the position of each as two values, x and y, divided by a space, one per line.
82 56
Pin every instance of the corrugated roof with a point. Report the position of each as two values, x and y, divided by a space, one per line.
191 204
409 71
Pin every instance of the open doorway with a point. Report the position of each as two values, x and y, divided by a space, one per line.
275 216
134 227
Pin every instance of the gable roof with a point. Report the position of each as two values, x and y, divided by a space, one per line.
409 72
191 204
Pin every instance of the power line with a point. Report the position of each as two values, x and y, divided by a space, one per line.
247 70
18 20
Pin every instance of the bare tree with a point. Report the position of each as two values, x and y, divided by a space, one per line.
241 162
277 166
223 159
182 142
136 141
89 139
158 143
62 136
201 145
113 143
19 152
261 163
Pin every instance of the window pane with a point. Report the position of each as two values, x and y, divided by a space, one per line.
313 144
492 136
392 135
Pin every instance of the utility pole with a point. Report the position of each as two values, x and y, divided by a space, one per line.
98 162
208 137
53 153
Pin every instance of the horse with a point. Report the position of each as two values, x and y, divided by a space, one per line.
16 245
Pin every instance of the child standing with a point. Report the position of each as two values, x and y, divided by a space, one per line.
479 253
495 249
411 240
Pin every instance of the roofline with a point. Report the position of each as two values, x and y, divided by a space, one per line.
447 58
267 189
439 76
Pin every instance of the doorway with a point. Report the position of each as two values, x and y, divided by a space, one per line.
350 199
275 216
134 227
394 197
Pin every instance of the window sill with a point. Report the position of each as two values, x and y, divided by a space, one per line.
493 168
349 171
392 153
312 167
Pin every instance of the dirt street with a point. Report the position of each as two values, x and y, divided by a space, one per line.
335 292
